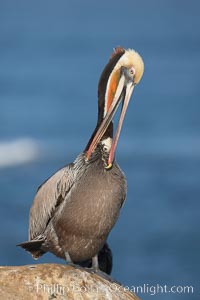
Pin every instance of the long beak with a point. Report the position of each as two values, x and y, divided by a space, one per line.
129 90
119 96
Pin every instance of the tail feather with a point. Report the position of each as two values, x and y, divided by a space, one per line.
34 247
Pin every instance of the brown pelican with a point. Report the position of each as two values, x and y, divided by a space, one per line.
76 208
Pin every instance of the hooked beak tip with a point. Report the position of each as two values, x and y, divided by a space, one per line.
109 166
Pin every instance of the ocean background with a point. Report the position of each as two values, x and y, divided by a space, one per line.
51 56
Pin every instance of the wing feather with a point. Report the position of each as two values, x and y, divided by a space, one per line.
49 195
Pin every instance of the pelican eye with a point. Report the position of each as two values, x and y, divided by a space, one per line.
132 71
129 73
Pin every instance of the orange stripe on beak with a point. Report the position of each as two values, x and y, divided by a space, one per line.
111 89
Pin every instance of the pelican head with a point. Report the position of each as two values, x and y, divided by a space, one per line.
118 79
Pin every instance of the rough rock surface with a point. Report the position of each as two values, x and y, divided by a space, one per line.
54 281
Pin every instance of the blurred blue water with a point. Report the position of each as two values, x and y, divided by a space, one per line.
51 56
